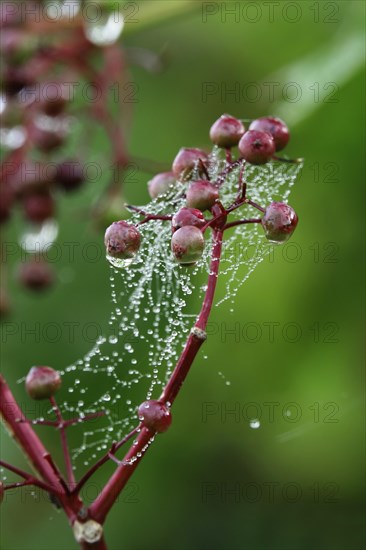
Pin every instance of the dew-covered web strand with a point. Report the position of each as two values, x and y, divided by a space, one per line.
155 303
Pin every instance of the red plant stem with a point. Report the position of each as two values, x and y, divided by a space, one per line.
241 222
105 500
29 479
34 450
65 448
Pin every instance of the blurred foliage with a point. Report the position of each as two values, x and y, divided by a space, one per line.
316 285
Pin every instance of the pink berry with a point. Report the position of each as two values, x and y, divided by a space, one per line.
160 184
279 222
226 131
39 207
274 126
202 194
187 245
155 415
188 216
122 240
257 147
42 382
187 159
69 175
36 274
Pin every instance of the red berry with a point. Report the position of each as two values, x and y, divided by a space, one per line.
39 207
226 131
14 79
202 194
53 98
186 159
155 415
257 147
274 126
160 184
187 245
122 240
69 175
42 382
188 216
36 274
279 222
47 140
6 202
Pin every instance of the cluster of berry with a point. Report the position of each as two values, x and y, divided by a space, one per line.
256 146
43 63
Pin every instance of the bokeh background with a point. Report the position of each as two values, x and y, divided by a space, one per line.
213 481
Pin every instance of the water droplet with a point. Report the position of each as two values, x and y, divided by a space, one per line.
118 262
103 28
113 339
255 424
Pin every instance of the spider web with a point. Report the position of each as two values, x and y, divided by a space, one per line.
154 305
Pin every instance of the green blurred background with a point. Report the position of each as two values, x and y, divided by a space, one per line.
213 482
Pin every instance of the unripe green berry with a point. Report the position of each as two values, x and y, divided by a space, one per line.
188 216
122 240
187 245
186 159
160 184
202 195
226 131
155 415
279 222
42 382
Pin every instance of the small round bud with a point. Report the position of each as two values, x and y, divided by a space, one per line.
122 241
226 131
188 216
274 126
186 160
42 382
202 194
36 274
160 184
279 222
39 207
69 175
187 245
257 147
155 415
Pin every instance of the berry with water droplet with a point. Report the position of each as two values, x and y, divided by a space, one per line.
274 126
69 175
39 207
160 184
187 245
226 131
279 222
186 159
42 382
188 216
202 194
122 240
36 274
155 415
257 147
